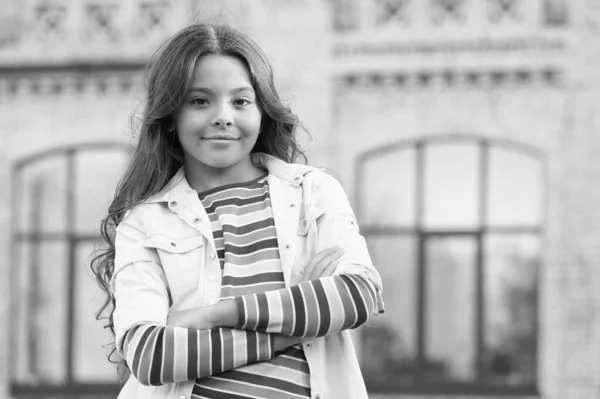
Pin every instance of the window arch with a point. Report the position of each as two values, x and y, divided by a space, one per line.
454 224
59 198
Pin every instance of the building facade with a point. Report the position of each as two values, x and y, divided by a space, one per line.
464 131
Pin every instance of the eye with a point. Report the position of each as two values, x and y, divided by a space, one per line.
199 101
241 102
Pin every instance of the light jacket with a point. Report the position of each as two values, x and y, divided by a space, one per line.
166 260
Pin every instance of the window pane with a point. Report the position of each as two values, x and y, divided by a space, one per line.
451 186
511 309
21 302
450 309
90 362
40 331
389 341
514 196
42 196
97 175
389 190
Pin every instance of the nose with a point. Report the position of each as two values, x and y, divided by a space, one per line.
223 117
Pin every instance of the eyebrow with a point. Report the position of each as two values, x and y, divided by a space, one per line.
209 91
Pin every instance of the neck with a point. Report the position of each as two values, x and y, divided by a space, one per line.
202 178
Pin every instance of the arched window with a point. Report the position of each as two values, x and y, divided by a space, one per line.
59 198
454 226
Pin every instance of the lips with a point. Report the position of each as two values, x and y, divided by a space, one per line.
220 138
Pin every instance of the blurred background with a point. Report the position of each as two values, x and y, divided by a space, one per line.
465 132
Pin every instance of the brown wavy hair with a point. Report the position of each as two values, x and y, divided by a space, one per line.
158 154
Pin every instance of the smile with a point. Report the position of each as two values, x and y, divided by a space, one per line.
220 138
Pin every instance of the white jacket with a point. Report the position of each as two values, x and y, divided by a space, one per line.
166 259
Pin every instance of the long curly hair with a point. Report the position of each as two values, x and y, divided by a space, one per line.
158 154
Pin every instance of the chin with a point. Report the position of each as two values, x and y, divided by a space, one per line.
221 163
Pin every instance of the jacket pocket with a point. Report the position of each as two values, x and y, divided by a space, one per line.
181 259
308 217
307 235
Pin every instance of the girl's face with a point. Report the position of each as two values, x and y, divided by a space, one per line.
219 121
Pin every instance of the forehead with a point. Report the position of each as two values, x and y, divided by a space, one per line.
219 70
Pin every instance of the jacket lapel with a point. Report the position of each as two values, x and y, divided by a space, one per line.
285 202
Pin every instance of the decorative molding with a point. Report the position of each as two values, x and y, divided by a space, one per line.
466 46
502 10
422 17
91 28
50 21
39 85
101 22
448 11
452 78
153 17
392 12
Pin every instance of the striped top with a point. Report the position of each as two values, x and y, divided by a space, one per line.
310 309
246 243
245 238
163 354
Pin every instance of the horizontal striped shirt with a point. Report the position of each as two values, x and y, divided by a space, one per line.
158 355
246 242
310 309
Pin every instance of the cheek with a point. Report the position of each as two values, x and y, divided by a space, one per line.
185 131
250 126
191 123
255 121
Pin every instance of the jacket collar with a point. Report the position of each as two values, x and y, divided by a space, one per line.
178 186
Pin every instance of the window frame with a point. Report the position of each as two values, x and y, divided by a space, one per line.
71 238
422 234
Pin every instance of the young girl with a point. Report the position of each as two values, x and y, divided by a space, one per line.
231 272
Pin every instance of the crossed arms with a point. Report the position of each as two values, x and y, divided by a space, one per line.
253 327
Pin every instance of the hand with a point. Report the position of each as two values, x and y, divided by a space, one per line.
281 342
323 264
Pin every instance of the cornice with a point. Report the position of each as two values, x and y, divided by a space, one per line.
52 84
352 48
468 78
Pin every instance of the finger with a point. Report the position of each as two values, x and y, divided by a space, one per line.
319 257
334 256
330 261
321 270
330 269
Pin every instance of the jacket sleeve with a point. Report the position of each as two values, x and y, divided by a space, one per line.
337 225
141 295
139 283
